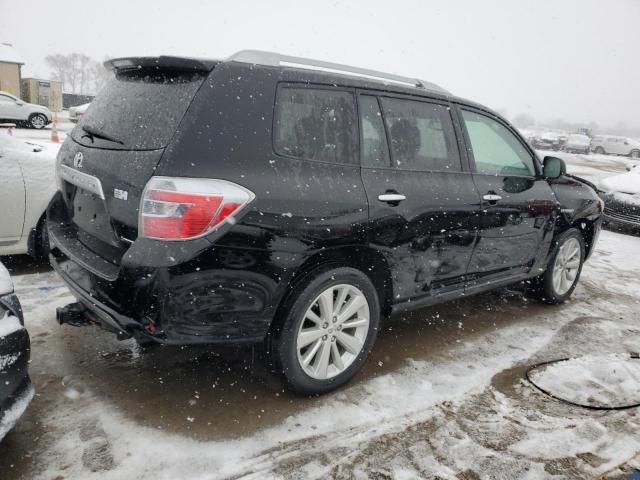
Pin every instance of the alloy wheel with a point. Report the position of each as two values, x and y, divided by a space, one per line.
566 266
37 121
333 331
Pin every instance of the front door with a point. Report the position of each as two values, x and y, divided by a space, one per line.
518 206
11 108
421 202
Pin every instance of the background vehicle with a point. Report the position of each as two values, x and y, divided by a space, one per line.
548 141
14 110
577 143
621 194
76 112
26 187
15 388
616 145
307 218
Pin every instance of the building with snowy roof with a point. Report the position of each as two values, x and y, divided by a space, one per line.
10 64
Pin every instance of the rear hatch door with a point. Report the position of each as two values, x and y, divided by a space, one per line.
116 146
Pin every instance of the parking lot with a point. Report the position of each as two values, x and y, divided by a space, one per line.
443 395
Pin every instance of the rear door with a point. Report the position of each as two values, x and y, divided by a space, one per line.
421 201
518 206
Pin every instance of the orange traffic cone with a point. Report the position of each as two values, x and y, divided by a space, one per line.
54 129
10 131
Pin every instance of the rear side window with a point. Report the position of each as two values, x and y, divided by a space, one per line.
316 124
139 109
373 140
421 135
496 150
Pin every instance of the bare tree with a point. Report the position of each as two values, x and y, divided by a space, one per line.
79 72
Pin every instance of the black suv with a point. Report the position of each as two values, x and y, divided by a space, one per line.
274 199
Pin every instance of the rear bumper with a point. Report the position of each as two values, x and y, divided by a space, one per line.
201 293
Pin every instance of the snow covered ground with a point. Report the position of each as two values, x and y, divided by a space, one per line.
444 394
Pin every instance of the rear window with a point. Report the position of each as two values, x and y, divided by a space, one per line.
138 110
316 124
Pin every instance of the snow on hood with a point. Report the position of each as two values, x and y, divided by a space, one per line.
8 143
41 149
6 285
625 182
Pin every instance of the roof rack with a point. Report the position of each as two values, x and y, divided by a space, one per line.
273 59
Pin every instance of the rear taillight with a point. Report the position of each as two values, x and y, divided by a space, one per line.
185 208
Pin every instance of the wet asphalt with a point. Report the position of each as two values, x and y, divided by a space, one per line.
208 392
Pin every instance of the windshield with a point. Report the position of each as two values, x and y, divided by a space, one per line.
141 109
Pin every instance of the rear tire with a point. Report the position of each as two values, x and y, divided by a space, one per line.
560 278
635 154
41 241
325 330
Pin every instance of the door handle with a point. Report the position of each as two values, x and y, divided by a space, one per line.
391 197
492 197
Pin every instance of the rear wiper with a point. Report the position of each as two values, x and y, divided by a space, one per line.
93 132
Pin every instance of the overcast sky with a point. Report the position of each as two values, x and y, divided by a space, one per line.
573 59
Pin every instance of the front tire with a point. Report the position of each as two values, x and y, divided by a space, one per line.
599 150
326 330
37 121
635 154
559 280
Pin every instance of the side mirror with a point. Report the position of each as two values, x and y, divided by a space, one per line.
19 103
554 167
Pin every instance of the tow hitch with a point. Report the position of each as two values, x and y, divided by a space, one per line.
72 314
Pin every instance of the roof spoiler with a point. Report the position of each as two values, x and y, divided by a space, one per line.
162 62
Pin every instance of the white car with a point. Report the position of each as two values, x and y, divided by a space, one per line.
76 112
14 110
616 145
27 184
577 143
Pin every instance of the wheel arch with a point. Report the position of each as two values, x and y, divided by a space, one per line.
35 232
588 228
363 258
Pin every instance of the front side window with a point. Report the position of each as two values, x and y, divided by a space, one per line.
316 124
373 144
421 135
496 150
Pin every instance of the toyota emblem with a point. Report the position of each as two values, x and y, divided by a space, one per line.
77 160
